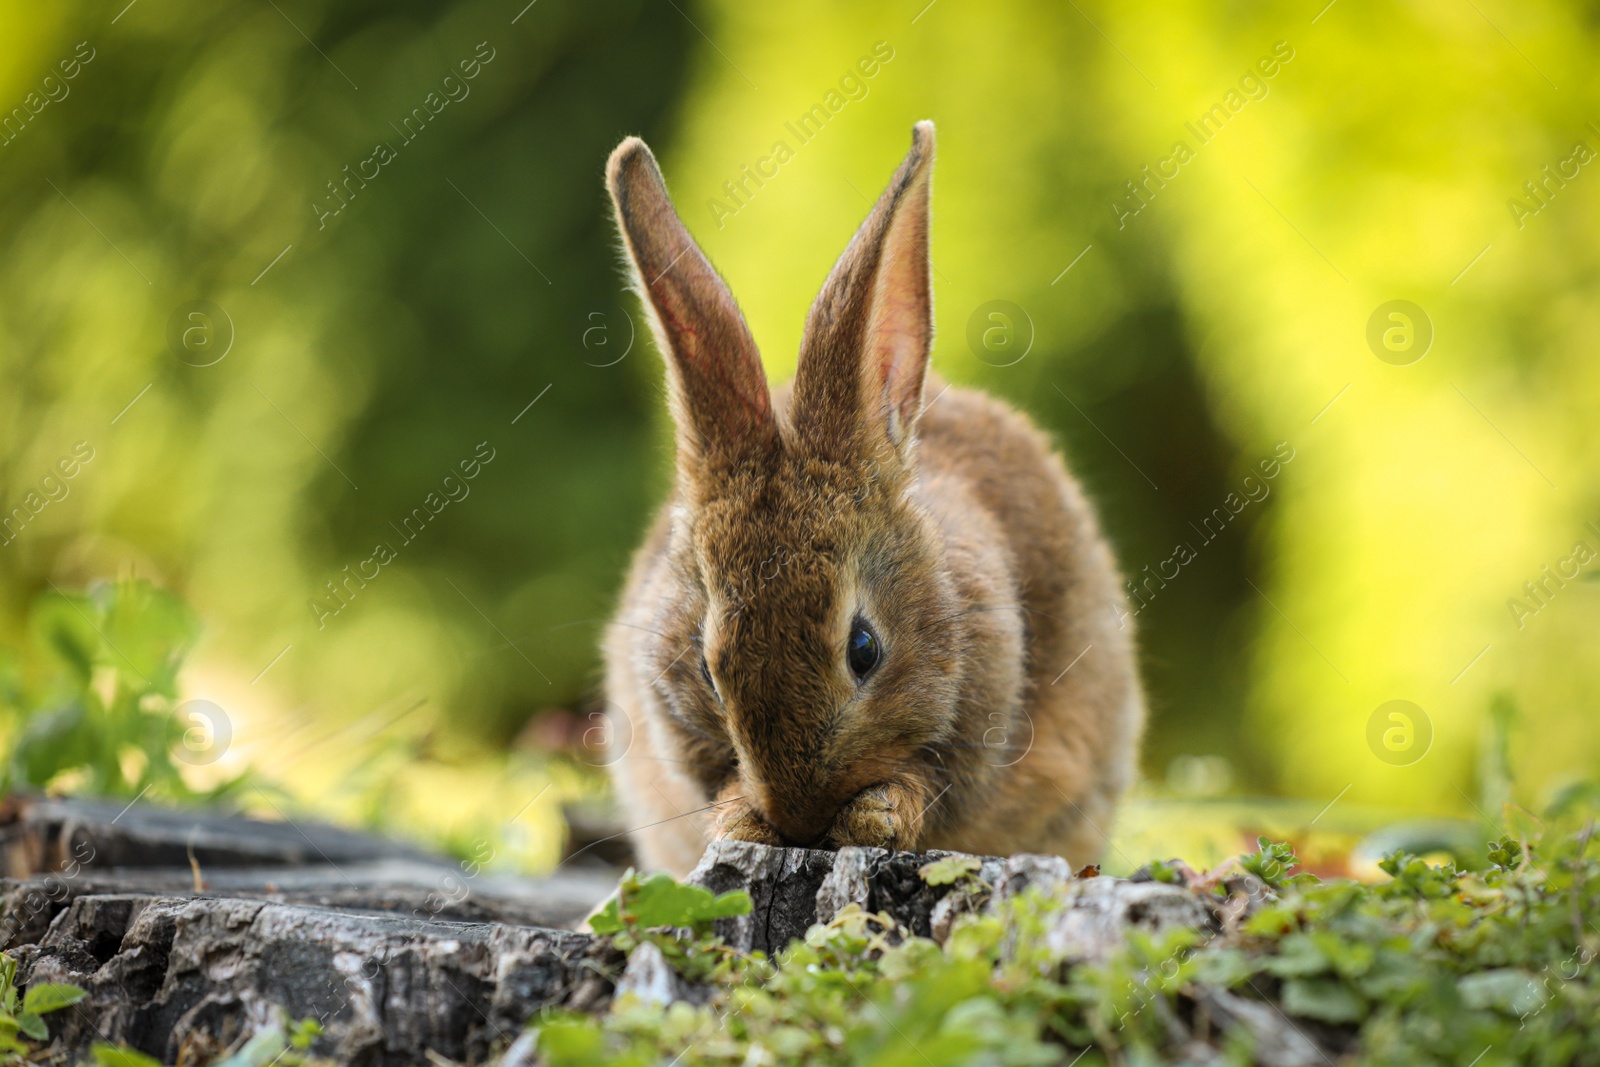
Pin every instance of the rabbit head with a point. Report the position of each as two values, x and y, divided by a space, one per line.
806 654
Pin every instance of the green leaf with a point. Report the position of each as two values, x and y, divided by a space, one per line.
148 630
304 1033
1505 990
33 1026
1505 852
570 1041
1349 958
662 901
106 1054
950 870
1271 862
1299 956
1323 999
1165 871
262 1049
51 996
53 741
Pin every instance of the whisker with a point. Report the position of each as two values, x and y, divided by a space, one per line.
608 622
646 826
980 611
1000 607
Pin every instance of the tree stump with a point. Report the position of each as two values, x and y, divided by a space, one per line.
399 954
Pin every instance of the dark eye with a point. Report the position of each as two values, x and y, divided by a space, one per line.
705 672
861 651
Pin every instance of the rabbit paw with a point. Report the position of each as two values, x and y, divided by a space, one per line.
738 820
884 816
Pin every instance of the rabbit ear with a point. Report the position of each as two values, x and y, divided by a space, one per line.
718 389
869 333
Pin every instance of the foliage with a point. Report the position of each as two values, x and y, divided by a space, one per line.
1168 872
284 1043
950 870
105 1054
652 908
287 1042
1271 862
368 362
23 1017
92 701
1436 966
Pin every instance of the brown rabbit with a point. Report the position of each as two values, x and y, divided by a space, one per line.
858 620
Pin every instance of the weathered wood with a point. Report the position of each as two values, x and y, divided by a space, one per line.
400 887
166 974
194 930
397 960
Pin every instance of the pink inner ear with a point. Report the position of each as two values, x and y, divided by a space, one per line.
902 327
899 346
865 353
718 386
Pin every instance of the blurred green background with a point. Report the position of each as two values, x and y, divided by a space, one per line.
1175 316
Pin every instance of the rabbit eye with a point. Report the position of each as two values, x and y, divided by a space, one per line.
861 650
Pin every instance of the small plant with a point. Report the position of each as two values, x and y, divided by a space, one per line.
105 1054
23 1016
655 908
952 870
1168 872
88 703
1272 861
970 891
286 1043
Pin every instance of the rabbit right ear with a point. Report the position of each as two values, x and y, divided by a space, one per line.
865 351
718 388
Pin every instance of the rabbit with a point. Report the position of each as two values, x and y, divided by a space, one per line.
862 617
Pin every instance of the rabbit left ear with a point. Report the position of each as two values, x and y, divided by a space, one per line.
870 331
716 384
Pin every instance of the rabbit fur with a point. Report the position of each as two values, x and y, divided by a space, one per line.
1003 711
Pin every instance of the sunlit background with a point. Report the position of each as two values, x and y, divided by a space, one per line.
296 290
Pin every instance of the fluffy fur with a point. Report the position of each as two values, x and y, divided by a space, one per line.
1005 711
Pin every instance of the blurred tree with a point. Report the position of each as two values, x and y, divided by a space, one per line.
396 216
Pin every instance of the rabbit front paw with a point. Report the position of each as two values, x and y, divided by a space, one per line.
884 816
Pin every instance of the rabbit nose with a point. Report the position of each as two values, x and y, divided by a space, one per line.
801 827
811 842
